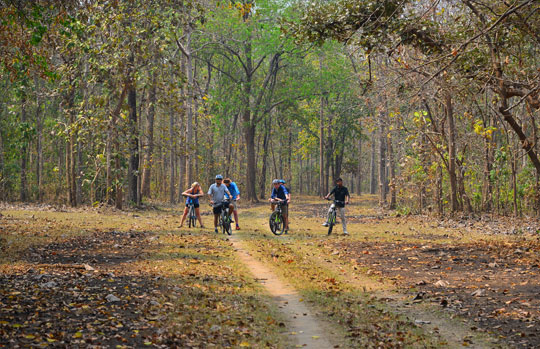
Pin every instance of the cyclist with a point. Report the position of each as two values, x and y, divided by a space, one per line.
216 194
282 181
280 193
193 194
235 192
341 194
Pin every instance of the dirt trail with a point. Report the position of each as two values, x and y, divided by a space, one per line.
302 325
454 333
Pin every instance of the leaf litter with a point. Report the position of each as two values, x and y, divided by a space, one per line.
132 289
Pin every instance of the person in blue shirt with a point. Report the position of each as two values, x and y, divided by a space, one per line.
282 181
216 195
193 194
235 196
280 193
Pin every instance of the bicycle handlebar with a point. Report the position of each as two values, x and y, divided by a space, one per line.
278 201
336 201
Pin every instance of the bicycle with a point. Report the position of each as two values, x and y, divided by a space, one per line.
332 214
192 217
225 219
277 223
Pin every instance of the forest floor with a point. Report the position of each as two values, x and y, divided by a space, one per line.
100 277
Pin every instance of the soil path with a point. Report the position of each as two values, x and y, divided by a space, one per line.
454 333
303 327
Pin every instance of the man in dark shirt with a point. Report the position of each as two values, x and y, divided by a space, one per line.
279 192
341 194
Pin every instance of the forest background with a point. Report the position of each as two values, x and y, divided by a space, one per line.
430 104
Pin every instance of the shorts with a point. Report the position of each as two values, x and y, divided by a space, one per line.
284 208
217 209
234 205
195 205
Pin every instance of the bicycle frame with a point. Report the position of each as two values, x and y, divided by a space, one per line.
277 224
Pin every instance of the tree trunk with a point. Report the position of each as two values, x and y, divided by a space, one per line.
24 151
249 127
108 170
172 155
359 167
392 170
189 108
439 191
251 165
116 148
454 204
262 183
70 150
373 167
513 167
149 151
39 145
321 139
79 173
382 162
133 168
488 185
3 195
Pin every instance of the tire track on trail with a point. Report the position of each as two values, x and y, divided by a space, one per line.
302 325
455 333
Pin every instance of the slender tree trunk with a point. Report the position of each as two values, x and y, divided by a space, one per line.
321 139
39 144
24 152
382 162
487 194
72 176
70 150
133 168
289 158
392 172
439 191
3 194
359 167
454 204
172 155
373 166
249 127
149 151
108 170
79 173
189 108
118 190
513 167
196 139
262 184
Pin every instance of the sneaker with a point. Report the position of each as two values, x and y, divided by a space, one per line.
286 231
345 232
325 224
237 227
215 230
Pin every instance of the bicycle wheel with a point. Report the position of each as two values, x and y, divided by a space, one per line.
331 221
191 220
227 226
276 223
